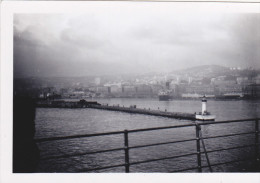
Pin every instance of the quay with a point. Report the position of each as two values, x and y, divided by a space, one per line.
131 109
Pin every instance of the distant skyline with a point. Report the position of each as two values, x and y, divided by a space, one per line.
132 39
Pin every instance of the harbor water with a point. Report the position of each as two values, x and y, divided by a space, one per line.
53 122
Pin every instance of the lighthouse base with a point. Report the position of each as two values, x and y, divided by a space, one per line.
205 117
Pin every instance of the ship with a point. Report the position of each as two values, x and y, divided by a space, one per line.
164 95
230 96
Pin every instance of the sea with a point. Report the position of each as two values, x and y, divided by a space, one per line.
55 122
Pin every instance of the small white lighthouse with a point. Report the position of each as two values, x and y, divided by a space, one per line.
204 115
204 105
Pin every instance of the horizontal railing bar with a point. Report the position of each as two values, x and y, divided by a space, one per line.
229 121
227 162
78 136
211 137
118 149
160 128
81 154
101 168
108 133
237 147
192 168
206 166
137 130
162 143
172 157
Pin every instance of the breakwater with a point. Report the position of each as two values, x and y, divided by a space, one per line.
66 104
132 109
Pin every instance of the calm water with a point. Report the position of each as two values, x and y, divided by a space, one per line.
51 122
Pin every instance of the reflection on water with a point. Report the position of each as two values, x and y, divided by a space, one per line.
61 122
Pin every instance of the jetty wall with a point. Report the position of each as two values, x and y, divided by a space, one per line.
66 104
178 115
131 109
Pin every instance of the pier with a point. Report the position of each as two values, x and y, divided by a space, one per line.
132 109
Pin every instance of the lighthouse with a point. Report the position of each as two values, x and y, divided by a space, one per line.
204 105
204 115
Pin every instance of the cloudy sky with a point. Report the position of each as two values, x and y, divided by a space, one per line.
132 39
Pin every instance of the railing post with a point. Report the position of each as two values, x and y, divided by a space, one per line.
126 151
198 147
256 139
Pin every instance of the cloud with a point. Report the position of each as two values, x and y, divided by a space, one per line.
118 41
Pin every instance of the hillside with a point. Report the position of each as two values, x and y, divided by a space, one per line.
204 71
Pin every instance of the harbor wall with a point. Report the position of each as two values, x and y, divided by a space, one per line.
177 115
131 109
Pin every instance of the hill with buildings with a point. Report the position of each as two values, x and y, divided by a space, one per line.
204 71
207 79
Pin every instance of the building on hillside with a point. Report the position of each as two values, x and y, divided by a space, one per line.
252 91
128 91
200 89
144 90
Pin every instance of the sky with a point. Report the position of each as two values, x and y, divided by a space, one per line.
132 39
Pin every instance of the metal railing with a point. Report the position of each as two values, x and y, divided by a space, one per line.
199 139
